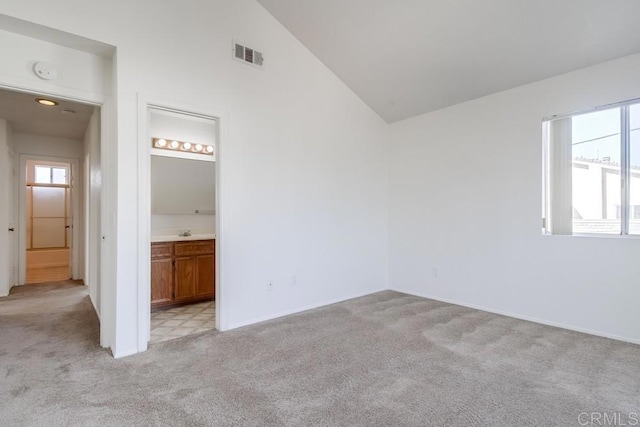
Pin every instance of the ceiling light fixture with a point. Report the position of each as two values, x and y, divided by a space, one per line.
47 102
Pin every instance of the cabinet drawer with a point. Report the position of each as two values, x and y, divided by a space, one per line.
197 247
161 250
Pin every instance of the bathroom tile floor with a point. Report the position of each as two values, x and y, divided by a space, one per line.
180 321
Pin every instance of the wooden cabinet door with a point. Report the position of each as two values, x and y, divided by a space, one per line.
205 275
185 278
161 280
161 273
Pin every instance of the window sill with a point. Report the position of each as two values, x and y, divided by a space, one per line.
596 235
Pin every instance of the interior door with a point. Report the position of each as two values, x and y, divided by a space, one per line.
11 189
49 217
69 220
49 222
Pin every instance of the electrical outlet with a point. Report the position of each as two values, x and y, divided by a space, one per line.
435 272
269 287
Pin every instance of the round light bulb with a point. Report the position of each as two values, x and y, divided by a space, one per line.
175 144
186 146
47 102
198 147
162 143
209 149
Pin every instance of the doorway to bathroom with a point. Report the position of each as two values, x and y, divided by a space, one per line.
182 223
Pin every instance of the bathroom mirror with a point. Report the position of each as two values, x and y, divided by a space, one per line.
182 186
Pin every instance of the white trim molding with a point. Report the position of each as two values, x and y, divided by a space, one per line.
145 103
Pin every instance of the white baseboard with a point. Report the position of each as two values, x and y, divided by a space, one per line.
95 308
521 317
125 353
301 309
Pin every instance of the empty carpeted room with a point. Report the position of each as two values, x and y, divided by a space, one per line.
426 213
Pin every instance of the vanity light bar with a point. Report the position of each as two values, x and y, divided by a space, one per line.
189 147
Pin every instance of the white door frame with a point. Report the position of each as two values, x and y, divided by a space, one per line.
144 211
108 147
14 214
22 214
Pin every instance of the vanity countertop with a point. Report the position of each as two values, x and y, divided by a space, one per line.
175 237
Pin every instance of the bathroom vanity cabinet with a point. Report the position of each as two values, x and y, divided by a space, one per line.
182 272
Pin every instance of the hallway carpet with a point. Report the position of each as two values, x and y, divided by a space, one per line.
386 359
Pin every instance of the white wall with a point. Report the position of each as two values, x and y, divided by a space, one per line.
465 198
170 125
206 224
303 171
91 213
81 73
41 145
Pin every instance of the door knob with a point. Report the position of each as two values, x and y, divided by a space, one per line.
11 229
67 226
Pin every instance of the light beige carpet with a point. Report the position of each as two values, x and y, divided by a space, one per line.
383 360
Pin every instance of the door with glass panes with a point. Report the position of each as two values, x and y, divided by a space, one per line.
48 222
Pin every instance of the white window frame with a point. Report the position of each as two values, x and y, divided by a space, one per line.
51 168
625 170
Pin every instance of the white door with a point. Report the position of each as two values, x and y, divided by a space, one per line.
13 235
49 221
69 221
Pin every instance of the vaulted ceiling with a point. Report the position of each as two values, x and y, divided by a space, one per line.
408 57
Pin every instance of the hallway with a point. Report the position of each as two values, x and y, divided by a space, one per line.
50 319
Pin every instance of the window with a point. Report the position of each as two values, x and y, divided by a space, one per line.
592 171
50 175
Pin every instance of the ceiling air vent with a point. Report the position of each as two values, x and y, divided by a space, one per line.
247 55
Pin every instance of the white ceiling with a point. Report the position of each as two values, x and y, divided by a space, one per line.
408 57
27 116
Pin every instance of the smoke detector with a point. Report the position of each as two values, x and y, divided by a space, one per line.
45 71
